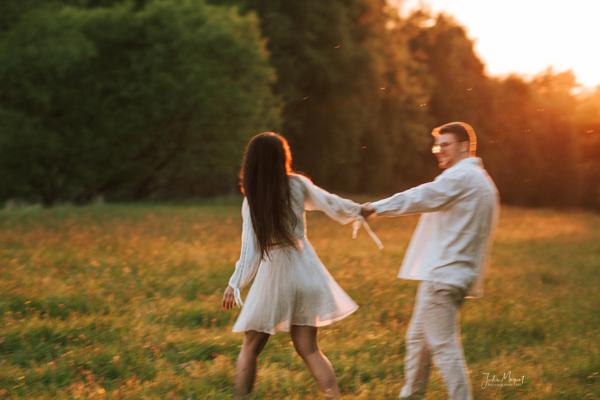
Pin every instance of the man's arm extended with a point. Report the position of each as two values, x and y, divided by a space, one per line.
427 197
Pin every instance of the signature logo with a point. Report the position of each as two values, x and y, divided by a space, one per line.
506 379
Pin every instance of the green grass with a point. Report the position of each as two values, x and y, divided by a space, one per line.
122 302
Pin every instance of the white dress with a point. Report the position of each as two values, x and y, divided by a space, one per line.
292 286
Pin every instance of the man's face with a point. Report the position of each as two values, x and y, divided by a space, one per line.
448 150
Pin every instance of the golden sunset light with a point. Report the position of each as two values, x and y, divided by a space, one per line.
341 199
526 37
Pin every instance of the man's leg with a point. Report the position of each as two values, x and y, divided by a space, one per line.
417 362
442 333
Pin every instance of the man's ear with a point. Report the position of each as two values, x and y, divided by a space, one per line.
464 146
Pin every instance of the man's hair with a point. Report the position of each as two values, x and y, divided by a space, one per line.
461 130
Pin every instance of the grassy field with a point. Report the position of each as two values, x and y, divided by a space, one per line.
122 301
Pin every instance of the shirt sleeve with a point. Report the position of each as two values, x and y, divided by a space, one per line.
337 208
247 265
428 197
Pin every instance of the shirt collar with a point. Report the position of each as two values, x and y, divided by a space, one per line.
475 161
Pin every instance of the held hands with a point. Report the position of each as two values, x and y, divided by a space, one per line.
228 300
366 210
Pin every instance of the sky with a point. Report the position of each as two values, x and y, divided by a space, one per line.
528 36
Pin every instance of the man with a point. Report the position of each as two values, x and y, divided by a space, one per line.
447 253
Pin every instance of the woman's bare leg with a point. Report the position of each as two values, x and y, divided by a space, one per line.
305 342
245 372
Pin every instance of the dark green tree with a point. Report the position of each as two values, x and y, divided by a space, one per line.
396 136
460 88
351 91
129 102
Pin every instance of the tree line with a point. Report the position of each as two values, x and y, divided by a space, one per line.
155 99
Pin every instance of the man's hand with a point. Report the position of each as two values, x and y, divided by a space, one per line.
366 210
228 299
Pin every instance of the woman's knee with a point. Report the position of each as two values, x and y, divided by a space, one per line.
305 346
254 342
305 341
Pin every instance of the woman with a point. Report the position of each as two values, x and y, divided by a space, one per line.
292 292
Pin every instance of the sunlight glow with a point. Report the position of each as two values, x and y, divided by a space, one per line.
529 36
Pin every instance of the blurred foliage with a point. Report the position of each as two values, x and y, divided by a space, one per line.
351 91
588 130
136 99
129 102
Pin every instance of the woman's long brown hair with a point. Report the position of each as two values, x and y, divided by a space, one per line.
264 180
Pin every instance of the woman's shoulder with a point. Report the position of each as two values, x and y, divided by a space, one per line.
296 177
299 185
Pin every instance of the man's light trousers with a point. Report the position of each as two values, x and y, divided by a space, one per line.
434 334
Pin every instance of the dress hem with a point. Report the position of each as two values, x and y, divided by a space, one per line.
287 327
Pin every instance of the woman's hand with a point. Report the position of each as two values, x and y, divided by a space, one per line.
228 299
